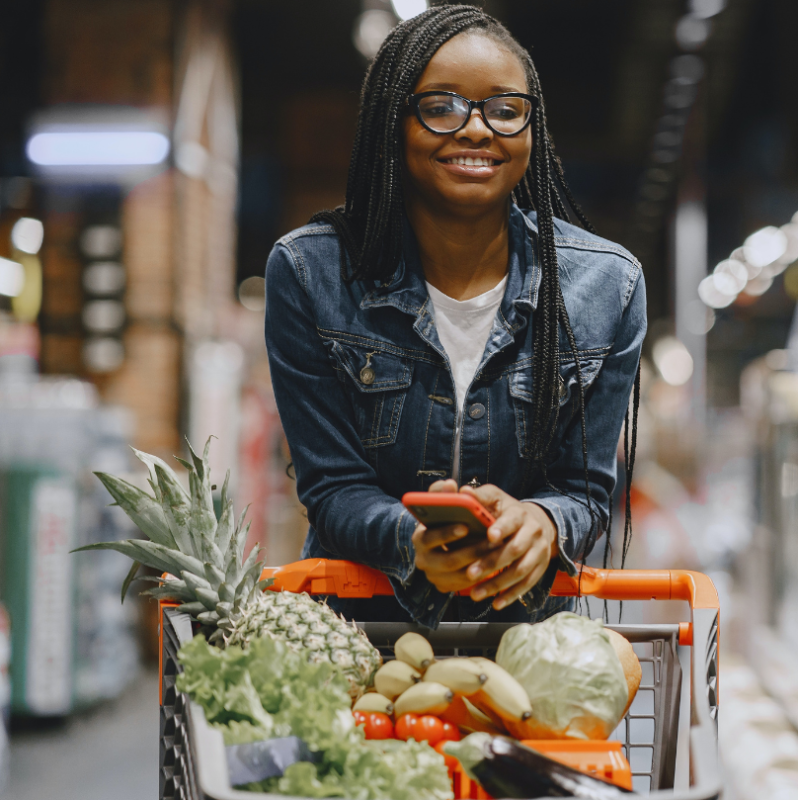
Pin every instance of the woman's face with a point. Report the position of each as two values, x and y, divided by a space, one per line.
476 67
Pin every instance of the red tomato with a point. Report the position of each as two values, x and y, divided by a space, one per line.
450 733
451 762
378 726
360 717
429 729
405 726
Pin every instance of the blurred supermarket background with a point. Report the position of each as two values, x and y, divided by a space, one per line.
151 151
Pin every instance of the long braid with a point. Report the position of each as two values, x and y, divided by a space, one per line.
370 224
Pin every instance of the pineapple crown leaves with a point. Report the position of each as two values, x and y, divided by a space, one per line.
185 538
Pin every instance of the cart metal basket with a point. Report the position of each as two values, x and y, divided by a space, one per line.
192 763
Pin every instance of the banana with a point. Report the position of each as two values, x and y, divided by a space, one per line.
394 677
415 650
423 698
373 701
462 675
501 694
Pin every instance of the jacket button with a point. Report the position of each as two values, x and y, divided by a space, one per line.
477 410
367 376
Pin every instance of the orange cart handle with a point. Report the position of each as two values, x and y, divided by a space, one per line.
348 579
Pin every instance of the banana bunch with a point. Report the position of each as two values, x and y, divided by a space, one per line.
473 693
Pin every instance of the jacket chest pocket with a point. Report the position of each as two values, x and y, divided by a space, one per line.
521 390
377 384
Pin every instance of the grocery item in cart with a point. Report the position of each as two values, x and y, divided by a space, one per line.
268 695
506 768
212 579
192 761
572 675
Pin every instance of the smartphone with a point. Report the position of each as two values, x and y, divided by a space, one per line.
435 509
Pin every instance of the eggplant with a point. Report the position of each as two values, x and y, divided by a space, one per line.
505 768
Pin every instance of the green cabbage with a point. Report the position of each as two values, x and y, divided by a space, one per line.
269 691
571 673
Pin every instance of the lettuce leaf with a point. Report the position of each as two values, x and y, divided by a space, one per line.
269 691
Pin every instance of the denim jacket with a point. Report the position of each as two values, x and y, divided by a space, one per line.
359 438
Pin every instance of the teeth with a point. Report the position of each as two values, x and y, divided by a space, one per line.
470 162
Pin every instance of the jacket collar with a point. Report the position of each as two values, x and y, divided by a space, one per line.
407 292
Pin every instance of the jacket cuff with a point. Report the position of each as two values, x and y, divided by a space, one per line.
536 597
415 593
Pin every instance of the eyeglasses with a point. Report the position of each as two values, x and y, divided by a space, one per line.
447 112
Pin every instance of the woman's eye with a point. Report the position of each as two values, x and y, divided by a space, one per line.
505 112
438 110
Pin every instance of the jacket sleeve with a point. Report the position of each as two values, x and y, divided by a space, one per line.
606 402
352 516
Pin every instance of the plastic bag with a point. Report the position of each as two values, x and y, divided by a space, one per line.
572 675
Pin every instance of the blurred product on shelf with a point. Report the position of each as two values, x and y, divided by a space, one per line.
757 744
73 643
5 695
768 571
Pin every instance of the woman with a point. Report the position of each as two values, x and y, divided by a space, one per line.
427 335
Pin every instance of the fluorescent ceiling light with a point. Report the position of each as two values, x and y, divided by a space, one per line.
406 9
97 148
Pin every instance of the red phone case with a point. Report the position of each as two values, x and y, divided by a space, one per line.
434 509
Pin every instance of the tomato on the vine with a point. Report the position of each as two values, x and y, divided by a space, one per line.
429 729
406 726
378 726
451 733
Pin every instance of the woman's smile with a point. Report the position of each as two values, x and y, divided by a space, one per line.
476 164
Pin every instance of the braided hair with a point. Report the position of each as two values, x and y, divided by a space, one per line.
370 224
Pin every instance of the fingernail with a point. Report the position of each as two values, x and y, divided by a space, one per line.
500 604
493 531
478 594
460 530
473 572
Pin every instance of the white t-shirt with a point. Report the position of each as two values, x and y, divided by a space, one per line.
463 327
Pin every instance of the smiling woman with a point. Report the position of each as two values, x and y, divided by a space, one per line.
448 329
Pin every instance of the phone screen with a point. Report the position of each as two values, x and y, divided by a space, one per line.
439 516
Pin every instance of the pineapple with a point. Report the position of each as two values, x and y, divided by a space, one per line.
208 576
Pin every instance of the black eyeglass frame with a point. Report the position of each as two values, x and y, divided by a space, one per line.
413 101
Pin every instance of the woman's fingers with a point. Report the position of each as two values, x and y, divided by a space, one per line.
516 570
494 498
428 538
448 486
517 590
514 532
507 524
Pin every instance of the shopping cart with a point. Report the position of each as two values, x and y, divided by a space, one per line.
192 763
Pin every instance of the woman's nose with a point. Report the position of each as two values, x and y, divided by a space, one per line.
476 129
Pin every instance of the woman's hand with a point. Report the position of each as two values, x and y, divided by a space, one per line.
522 539
447 571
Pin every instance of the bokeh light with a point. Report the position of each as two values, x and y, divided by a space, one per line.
673 360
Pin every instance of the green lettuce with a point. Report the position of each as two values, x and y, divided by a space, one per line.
269 691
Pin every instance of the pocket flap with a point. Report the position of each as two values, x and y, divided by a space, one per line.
372 370
521 383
